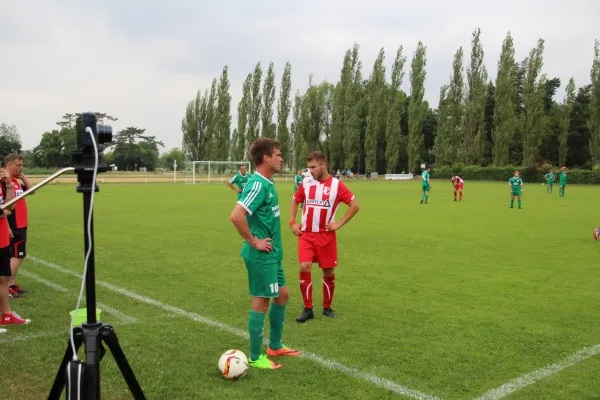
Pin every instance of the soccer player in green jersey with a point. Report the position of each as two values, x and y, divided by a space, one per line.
256 217
240 179
516 190
549 180
562 181
297 181
425 186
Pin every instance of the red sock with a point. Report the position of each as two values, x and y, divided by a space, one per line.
461 195
306 288
328 288
454 195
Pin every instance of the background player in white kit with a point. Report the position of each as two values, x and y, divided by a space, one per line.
317 243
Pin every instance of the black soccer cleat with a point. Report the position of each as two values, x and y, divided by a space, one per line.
306 315
328 312
421 201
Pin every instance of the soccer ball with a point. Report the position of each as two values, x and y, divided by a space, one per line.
233 364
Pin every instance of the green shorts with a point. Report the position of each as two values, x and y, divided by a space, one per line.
550 183
516 192
264 280
426 188
563 184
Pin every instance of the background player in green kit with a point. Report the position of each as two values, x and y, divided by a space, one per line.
549 180
256 217
240 179
516 190
298 180
562 181
425 185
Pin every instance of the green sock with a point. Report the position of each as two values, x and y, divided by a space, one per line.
276 318
426 198
512 203
423 197
256 329
519 203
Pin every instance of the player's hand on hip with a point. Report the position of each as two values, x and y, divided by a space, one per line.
263 244
332 227
296 229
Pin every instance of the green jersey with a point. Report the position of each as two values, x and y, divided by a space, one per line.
262 204
563 177
515 184
425 178
297 181
550 178
241 181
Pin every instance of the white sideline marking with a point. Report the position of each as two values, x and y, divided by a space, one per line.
539 374
42 280
25 338
123 317
374 379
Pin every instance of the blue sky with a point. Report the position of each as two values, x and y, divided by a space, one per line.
142 61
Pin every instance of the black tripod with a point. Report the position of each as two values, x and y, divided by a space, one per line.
92 333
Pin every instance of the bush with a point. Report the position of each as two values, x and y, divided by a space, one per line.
529 175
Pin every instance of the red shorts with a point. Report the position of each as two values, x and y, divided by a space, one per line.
318 247
459 186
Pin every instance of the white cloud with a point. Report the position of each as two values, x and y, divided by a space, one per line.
142 61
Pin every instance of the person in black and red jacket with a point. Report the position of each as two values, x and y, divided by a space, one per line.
17 220
7 192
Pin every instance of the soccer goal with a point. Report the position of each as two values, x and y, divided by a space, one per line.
213 171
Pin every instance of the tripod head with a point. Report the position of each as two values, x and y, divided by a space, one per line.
84 156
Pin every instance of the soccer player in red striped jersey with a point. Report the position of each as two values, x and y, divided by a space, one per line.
7 192
458 184
317 241
17 220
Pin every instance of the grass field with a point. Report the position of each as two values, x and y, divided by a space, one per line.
446 300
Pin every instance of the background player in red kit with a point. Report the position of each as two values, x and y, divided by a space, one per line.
17 220
7 192
458 184
317 241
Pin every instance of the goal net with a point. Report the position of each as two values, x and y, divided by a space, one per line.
212 171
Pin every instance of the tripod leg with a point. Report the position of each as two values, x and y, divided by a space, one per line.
109 336
59 381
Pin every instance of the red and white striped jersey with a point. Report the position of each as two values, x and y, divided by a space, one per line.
457 180
321 200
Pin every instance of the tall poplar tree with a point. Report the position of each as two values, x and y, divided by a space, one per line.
416 107
505 121
475 102
533 119
393 128
283 112
593 123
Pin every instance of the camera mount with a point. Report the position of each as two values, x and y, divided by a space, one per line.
83 378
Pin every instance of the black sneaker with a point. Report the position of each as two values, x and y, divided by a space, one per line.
328 312
306 315
421 201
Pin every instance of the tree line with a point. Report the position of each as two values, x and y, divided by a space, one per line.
371 124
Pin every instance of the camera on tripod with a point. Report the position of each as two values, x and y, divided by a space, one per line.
84 156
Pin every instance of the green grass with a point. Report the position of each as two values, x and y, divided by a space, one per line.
450 299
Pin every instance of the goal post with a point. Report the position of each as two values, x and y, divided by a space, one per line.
213 171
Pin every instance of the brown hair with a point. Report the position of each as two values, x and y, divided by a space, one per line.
318 156
263 147
12 158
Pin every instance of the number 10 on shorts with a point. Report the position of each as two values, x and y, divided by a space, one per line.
274 287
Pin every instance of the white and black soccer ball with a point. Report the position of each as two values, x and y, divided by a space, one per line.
233 364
